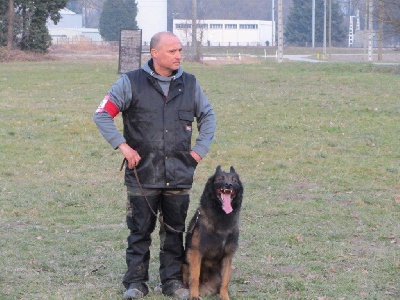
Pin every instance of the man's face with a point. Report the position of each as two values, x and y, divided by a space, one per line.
167 55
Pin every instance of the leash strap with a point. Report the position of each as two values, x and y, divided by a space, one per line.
151 208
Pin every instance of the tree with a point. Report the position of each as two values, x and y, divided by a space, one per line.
3 22
298 29
117 15
389 15
90 10
385 16
10 27
29 25
35 35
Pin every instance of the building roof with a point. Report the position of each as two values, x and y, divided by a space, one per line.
66 11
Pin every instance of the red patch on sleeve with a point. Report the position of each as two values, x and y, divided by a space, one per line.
111 108
108 106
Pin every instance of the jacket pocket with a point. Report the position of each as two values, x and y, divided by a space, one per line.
185 115
184 168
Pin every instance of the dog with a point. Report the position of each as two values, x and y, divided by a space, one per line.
212 239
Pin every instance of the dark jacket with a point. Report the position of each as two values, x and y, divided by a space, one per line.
159 128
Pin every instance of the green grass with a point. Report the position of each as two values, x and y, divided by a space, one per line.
316 145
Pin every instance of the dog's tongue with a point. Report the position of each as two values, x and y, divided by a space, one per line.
226 203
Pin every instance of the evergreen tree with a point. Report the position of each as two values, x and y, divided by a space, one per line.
30 22
117 15
298 29
3 22
36 35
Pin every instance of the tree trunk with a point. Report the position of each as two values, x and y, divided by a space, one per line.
10 27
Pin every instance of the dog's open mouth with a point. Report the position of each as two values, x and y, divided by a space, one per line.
226 196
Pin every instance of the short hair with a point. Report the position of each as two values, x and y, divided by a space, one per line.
155 40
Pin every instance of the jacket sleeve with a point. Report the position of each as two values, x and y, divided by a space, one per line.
206 122
116 100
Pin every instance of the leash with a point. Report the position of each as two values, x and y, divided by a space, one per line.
151 208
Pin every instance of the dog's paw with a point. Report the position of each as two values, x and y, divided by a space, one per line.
224 297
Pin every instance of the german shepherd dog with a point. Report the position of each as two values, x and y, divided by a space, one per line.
213 237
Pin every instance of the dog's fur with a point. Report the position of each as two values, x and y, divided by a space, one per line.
213 236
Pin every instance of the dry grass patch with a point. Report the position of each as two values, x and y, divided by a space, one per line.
18 55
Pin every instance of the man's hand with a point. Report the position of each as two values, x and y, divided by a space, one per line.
131 155
195 156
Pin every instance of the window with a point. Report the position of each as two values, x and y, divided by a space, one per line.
230 26
202 26
216 26
183 26
248 26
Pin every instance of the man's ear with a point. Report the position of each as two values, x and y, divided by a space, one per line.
153 52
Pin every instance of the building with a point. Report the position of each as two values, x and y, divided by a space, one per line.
70 29
151 18
72 35
69 19
227 32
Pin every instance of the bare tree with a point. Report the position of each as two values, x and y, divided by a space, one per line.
390 15
91 11
386 12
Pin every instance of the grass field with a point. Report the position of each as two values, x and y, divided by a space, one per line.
317 147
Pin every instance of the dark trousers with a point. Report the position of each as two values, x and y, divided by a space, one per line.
141 221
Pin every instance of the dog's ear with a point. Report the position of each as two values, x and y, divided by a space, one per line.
218 170
232 170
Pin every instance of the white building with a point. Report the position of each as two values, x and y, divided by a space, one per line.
69 19
151 18
72 35
70 29
227 32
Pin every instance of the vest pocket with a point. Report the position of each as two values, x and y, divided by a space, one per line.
184 127
184 168
185 115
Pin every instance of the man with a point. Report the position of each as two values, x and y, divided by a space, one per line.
158 102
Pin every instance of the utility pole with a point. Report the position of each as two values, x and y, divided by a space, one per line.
194 31
380 39
370 30
273 23
313 23
324 45
365 31
280 32
330 28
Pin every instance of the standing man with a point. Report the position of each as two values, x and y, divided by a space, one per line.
158 102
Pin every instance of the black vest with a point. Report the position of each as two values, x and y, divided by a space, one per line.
159 128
